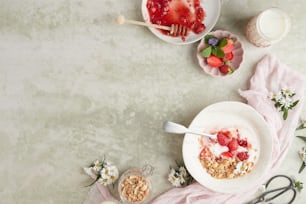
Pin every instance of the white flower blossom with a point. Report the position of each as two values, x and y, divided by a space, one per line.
283 100
303 121
181 179
97 166
183 171
286 102
287 91
105 181
271 95
177 177
302 154
174 180
172 172
109 174
104 172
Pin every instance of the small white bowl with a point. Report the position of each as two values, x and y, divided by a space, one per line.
235 63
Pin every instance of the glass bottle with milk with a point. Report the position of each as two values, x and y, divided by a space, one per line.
268 27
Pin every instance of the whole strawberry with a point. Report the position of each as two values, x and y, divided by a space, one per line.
226 69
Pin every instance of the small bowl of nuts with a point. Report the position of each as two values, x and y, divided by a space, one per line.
135 186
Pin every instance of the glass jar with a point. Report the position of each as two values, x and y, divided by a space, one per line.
135 186
268 27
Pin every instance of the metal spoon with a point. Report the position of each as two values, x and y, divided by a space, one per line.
176 128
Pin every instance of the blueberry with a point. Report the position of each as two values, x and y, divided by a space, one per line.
213 41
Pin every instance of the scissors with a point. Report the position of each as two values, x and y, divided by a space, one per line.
272 194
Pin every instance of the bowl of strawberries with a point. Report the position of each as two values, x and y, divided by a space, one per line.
220 53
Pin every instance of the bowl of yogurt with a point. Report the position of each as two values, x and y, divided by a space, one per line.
241 154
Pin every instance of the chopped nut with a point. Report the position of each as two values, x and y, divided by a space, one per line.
135 188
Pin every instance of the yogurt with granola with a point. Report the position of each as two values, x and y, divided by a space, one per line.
230 155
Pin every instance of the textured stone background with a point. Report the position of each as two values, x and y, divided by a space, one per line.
74 86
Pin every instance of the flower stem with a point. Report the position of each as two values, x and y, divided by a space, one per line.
302 167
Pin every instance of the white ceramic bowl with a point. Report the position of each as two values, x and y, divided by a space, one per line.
229 115
212 9
235 63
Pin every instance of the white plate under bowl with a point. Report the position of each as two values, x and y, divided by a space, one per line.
212 10
229 114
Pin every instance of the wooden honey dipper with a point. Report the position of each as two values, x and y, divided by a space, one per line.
174 29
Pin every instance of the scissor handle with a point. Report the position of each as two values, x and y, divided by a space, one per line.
282 190
287 177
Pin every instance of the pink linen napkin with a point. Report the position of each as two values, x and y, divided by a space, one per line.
97 194
270 76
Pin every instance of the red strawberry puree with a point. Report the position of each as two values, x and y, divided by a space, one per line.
187 13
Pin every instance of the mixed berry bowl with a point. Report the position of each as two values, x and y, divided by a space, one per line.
220 53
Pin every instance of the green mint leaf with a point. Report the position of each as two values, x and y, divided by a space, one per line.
206 52
302 167
302 138
214 51
222 42
219 52
207 37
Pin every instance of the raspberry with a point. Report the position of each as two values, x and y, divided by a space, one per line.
243 156
243 143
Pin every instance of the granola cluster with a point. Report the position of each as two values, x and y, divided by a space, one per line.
134 188
224 167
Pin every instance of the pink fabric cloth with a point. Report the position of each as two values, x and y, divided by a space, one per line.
97 194
270 76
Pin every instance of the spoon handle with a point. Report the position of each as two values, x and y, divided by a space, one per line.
121 20
176 128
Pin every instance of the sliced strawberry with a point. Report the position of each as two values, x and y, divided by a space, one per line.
228 56
233 145
223 138
229 47
227 154
214 61
225 69
243 156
